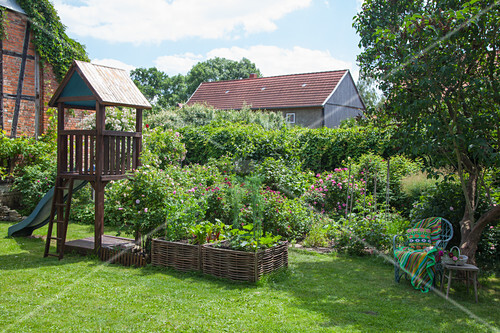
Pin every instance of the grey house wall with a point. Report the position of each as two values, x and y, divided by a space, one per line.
343 103
307 117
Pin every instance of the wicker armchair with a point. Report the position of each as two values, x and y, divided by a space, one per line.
439 243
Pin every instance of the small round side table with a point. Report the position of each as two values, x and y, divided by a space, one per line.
470 276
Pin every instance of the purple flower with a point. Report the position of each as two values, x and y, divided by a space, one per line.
138 201
451 208
145 210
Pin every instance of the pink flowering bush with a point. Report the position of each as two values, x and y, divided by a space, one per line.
288 217
332 192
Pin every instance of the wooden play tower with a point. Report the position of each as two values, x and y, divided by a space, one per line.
97 155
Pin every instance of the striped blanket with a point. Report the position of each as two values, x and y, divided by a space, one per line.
419 264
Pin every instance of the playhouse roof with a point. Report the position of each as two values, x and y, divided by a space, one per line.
86 83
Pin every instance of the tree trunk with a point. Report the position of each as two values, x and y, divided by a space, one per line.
471 234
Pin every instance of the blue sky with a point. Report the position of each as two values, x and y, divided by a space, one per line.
279 36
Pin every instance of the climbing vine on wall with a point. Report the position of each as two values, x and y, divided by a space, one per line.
3 23
50 38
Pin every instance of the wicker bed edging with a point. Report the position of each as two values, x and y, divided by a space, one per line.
241 265
178 255
122 257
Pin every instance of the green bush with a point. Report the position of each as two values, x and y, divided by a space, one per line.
18 153
288 178
317 149
35 181
162 148
333 193
373 169
287 217
198 115
359 232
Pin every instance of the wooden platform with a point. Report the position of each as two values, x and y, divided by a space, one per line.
86 246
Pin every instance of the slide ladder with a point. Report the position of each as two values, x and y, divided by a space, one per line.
59 215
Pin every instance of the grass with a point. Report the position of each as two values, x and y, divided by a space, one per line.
318 293
415 184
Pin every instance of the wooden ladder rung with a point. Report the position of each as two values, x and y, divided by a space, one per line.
52 255
56 238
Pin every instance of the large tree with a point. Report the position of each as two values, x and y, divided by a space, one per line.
164 91
218 69
160 89
437 62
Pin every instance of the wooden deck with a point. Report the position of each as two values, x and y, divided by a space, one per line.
86 246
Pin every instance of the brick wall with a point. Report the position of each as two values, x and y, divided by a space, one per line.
12 47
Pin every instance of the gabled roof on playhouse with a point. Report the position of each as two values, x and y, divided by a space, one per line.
86 83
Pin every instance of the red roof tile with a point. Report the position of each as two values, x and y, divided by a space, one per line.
298 90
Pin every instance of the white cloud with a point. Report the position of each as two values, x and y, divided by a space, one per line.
178 64
273 60
113 63
154 21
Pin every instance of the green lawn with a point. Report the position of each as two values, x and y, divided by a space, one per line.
318 293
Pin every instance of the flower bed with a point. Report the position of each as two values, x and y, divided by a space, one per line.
178 255
243 266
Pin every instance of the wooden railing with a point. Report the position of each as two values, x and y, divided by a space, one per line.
79 153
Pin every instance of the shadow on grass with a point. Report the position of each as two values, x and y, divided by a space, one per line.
359 293
31 255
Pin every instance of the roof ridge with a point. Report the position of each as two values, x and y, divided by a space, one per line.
275 76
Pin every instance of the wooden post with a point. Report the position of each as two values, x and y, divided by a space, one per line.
61 156
138 141
99 185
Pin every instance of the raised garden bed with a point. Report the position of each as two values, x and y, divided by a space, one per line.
241 265
123 257
178 255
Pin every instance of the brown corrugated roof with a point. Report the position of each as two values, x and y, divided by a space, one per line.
109 86
297 90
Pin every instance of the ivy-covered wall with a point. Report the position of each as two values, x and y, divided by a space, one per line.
49 54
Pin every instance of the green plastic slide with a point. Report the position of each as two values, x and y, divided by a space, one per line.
41 214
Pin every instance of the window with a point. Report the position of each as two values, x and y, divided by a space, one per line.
290 118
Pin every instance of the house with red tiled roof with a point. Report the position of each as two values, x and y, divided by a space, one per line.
312 100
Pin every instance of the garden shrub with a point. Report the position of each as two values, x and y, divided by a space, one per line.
117 119
318 234
329 193
35 181
18 153
357 232
283 176
317 149
371 168
326 148
287 217
151 204
199 115
162 148
488 254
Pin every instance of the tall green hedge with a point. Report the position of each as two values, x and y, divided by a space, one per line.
317 149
